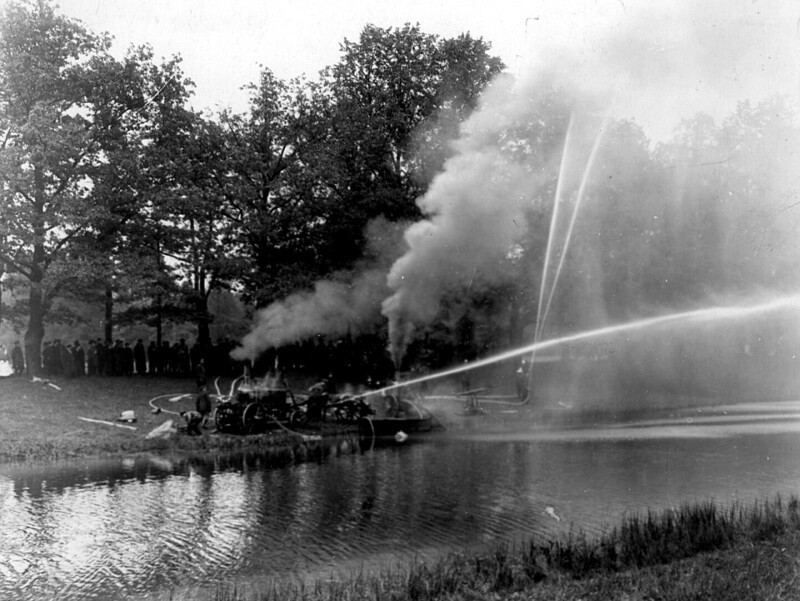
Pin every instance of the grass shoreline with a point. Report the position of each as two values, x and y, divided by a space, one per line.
699 551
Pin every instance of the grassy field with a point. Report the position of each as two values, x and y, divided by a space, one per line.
41 422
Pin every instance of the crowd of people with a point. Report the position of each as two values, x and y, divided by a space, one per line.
357 360
121 358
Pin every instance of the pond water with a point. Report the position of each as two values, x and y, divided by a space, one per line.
151 527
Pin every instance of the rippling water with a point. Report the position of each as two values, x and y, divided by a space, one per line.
151 526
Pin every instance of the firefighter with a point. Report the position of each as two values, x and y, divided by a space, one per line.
521 379
318 397
193 421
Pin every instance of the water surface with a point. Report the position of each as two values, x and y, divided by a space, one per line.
148 527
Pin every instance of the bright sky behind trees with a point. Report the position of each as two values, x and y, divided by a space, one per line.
719 51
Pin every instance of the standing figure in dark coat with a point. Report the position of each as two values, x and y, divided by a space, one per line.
200 374
140 357
78 359
521 380
55 358
203 405
195 355
67 362
184 362
165 356
127 360
17 359
91 358
104 361
47 358
154 365
116 355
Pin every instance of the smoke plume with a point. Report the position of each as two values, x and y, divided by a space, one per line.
658 63
349 303
655 67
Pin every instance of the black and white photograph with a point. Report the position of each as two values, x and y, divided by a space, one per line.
416 301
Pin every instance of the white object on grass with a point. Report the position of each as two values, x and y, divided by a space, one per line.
165 430
107 423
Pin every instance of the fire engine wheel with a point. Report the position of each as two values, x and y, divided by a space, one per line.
254 419
298 419
227 419
347 411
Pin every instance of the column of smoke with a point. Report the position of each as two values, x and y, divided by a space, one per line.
335 306
476 208
657 66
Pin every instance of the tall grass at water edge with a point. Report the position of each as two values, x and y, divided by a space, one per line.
640 544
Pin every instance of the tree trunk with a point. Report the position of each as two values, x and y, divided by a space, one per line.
204 331
159 324
203 320
35 331
36 308
159 297
201 296
109 316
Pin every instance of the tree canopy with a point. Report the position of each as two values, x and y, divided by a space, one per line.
114 192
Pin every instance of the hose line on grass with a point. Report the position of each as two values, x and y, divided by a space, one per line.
173 398
180 396
305 437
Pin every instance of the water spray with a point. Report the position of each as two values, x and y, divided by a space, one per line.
550 237
708 314
570 229
541 316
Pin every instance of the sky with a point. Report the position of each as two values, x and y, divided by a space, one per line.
223 43
709 53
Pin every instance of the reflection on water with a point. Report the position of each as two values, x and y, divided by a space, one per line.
143 526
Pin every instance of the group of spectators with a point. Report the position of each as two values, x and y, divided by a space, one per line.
120 358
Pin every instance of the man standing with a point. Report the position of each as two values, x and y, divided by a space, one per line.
67 360
153 356
522 380
140 357
91 358
127 354
17 359
79 358
184 363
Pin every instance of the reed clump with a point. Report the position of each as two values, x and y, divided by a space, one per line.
674 534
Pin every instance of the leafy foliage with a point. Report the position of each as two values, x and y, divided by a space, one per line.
114 192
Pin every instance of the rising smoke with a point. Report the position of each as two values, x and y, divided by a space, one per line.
656 66
346 304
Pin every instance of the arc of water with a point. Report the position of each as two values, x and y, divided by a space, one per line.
570 229
708 314
553 221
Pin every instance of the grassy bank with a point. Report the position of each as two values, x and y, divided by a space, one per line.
700 551
41 422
